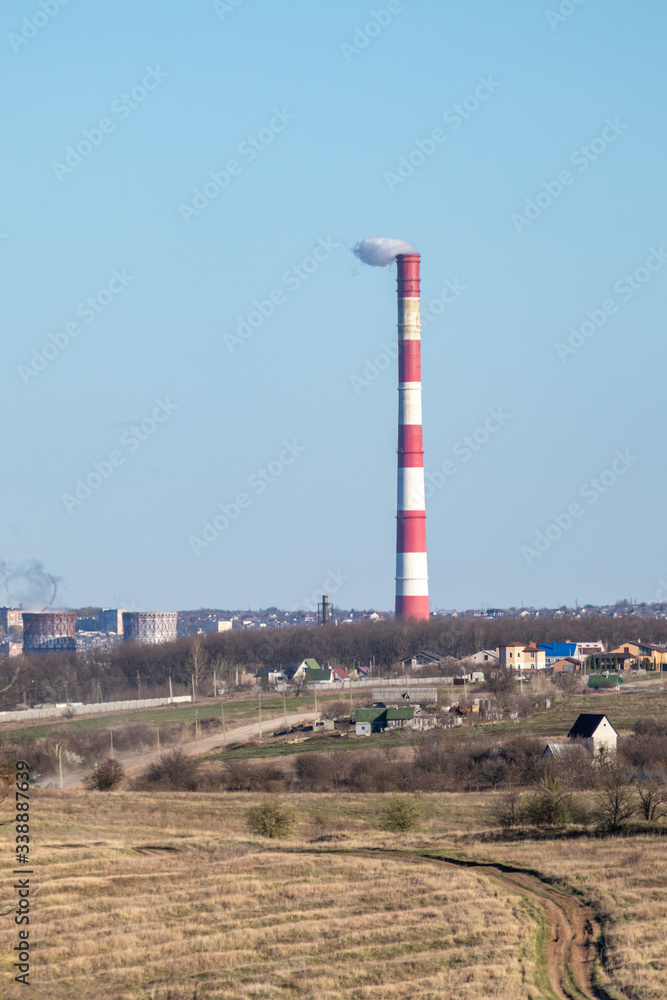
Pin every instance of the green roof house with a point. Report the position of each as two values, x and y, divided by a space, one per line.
385 718
315 674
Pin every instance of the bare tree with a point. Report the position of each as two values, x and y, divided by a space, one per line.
614 804
569 682
501 681
105 777
198 661
20 668
652 791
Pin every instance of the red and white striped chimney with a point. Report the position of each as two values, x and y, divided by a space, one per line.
411 572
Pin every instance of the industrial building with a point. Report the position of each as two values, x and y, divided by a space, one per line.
49 631
150 627
111 620
10 618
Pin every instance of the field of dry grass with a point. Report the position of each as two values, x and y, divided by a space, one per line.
626 880
148 895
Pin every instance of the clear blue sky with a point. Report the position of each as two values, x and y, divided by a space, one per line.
334 109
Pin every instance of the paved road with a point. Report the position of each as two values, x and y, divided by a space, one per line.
241 734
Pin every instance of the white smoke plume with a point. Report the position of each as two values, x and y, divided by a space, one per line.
28 585
380 251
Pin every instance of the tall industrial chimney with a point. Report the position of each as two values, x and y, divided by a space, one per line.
411 572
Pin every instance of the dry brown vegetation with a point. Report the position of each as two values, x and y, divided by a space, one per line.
151 894
112 673
626 880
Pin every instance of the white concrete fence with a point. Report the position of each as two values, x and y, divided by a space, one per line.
365 682
101 707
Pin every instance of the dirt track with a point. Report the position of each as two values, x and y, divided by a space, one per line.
131 761
574 931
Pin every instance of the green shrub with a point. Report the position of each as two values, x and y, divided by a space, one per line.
551 805
401 814
271 818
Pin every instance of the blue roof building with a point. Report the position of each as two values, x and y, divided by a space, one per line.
554 651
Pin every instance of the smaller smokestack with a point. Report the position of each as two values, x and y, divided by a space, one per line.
323 610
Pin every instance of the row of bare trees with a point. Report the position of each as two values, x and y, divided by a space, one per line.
207 660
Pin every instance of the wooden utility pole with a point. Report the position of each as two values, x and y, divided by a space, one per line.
260 715
111 735
171 691
284 706
224 732
60 765
157 730
196 725
138 686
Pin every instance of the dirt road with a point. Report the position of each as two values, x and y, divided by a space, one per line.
132 761
574 932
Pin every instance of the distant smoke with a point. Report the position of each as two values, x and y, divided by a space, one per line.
379 251
28 586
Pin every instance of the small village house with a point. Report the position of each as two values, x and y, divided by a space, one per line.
382 718
484 658
567 665
421 658
595 732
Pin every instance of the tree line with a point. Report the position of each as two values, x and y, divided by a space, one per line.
129 670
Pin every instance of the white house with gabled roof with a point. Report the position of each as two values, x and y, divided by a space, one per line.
594 731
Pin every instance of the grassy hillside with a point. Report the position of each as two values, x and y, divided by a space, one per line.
236 712
167 896
623 710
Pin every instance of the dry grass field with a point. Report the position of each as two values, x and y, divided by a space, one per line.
148 895
167 896
626 880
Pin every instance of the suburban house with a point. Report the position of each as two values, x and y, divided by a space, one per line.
381 718
296 672
422 658
611 661
594 731
272 676
586 649
554 651
317 674
340 674
566 666
521 656
488 657
643 654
